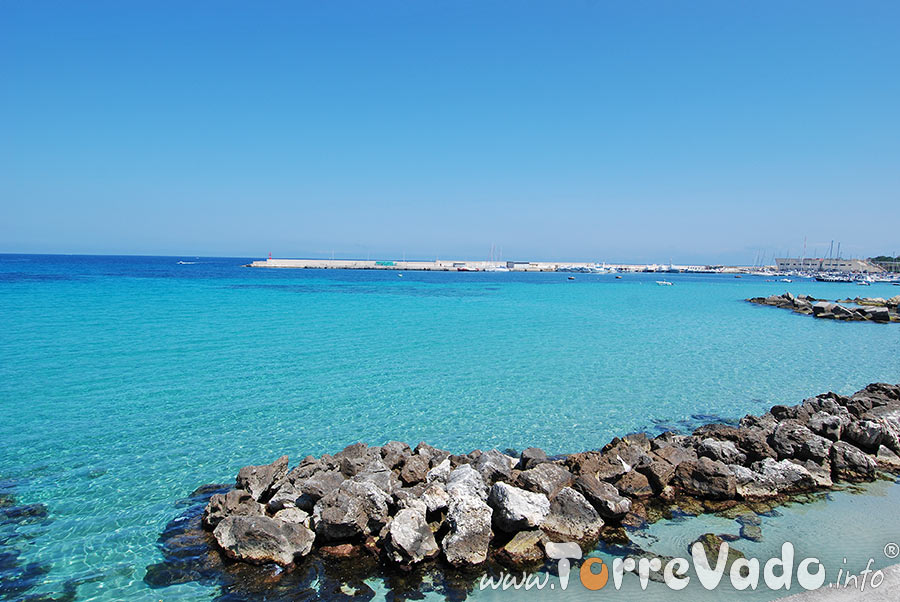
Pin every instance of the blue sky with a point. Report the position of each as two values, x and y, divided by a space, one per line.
617 131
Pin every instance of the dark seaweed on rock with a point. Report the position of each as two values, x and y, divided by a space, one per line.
426 520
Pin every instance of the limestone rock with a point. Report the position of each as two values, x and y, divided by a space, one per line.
258 479
260 539
572 518
411 540
546 478
236 502
469 520
516 509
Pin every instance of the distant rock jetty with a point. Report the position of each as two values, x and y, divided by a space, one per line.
864 309
397 509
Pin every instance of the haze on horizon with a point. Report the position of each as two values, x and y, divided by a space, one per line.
698 132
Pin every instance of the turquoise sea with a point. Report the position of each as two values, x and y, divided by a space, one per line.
126 382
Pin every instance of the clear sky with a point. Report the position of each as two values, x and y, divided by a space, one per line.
594 130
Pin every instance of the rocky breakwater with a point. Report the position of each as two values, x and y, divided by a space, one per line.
401 507
864 310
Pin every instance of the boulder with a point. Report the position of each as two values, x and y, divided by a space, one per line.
711 544
415 469
546 478
439 473
826 425
469 521
260 539
851 464
751 485
410 538
531 457
524 549
465 480
377 472
603 466
494 465
864 434
435 497
602 496
723 451
787 476
257 480
572 518
352 510
887 459
236 502
318 486
659 474
293 515
634 484
672 453
793 440
705 478
393 453
516 509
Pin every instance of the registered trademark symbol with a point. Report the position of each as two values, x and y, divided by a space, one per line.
892 550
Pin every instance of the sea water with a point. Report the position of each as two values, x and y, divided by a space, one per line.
126 382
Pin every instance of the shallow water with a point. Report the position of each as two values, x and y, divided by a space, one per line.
126 382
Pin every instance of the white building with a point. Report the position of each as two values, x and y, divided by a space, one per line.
818 264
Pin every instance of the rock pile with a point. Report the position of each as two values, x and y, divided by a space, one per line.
867 310
406 506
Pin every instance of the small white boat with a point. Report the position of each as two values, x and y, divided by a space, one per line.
786 280
399 275
663 283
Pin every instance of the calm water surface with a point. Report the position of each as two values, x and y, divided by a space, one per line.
126 382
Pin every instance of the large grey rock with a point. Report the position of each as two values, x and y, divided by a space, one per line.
469 521
394 453
851 464
793 440
494 465
377 472
258 479
260 539
787 476
531 457
603 497
516 509
236 502
705 478
723 451
826 425
440 473
354 509
318 486
410 538
751 485
465 480
572 518
545 478
865 434
435 497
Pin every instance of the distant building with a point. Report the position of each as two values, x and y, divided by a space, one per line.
817 264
